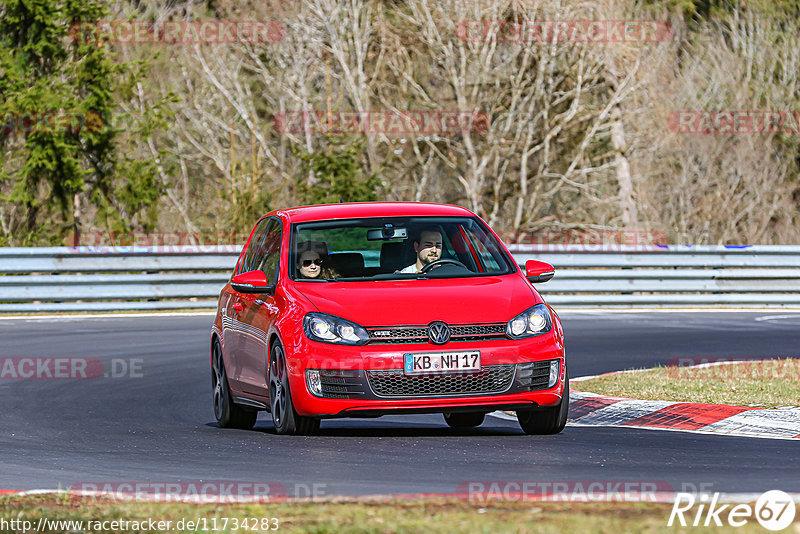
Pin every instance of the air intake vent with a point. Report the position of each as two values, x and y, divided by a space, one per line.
393 383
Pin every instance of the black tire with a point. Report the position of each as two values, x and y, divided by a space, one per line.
228 414
284 416
548 420
464 420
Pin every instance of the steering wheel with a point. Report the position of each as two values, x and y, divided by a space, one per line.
442 261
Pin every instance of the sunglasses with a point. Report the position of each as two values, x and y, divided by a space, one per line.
318 262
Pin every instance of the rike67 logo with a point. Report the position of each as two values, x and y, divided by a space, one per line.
774 510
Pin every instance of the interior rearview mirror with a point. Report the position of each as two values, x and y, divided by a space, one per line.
386 233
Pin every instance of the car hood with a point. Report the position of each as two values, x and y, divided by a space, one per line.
491 299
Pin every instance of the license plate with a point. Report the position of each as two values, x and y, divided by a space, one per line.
441 362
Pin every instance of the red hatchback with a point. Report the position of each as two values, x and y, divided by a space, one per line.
368 309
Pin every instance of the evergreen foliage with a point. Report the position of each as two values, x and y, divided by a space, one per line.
337 174
59 140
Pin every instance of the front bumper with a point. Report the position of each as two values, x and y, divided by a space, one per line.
369 380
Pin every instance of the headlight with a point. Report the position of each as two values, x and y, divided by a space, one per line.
532 322
331 329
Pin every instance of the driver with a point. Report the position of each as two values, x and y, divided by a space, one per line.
428 249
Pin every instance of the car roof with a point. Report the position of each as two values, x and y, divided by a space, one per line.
353 210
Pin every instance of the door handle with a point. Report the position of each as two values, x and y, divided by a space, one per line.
237 308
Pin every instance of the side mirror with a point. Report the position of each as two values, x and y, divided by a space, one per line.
539 272
252 282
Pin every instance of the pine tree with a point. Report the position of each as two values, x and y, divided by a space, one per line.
337 174
57 105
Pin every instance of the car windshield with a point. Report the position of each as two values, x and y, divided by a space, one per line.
395 248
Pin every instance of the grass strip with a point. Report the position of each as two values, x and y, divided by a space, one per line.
412 516
767 383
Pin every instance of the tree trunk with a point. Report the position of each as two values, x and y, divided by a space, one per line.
76 220
627 203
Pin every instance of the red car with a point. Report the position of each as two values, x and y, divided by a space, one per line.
368 309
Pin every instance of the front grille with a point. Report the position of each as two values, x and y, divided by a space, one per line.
393 383
419 334
398 335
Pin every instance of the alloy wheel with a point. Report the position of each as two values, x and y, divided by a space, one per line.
218 378
277 391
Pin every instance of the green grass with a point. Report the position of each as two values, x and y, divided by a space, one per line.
412 516
767 383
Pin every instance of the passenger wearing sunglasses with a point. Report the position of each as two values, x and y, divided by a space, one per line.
311 265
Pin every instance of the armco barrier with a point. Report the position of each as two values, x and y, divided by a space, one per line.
103 278
668 275
152 278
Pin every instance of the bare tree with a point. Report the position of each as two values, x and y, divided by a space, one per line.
551 107
575 136
725 187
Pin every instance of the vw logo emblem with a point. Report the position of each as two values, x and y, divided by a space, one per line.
438 333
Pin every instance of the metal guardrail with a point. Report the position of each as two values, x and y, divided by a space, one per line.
668 275
153 278
46 279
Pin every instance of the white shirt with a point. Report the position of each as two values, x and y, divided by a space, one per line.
410 269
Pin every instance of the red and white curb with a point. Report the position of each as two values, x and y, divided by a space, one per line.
589 409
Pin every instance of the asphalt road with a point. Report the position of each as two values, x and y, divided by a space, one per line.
155 423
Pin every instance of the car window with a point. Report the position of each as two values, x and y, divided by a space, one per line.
488 257
253 249
344 240
270 251
380 248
